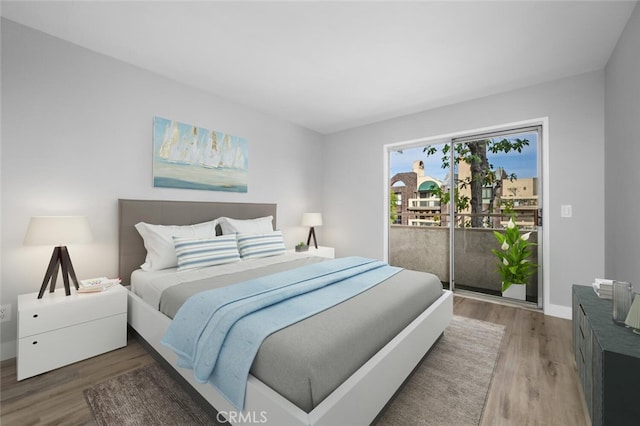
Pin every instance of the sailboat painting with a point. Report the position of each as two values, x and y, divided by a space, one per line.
190 157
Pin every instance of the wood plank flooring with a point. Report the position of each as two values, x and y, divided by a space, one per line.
535 380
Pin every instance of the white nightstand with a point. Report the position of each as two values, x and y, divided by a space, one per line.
59 330
321 251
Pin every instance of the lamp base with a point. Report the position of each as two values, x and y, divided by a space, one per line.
312 232
59 257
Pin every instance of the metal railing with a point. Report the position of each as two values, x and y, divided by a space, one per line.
423 203
524 218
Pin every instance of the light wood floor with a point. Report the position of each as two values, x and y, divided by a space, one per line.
535 380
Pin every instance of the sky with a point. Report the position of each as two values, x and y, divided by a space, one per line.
523 164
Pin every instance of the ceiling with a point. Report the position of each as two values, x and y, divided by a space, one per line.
333 65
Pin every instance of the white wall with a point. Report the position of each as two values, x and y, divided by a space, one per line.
76 136
622 156
574 107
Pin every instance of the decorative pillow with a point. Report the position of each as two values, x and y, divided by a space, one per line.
158 241
203 252
261 245
261 225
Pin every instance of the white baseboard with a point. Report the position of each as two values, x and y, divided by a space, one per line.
559 311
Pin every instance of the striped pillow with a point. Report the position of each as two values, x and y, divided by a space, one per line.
200 253
261 245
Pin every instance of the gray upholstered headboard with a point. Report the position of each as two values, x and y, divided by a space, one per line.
131 251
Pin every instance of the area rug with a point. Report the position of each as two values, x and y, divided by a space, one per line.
449 387
144 397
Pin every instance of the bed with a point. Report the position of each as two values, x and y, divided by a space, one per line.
356 394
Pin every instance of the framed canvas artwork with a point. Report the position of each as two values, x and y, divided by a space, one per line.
191 157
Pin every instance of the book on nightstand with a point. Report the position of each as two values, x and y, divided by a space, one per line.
93 285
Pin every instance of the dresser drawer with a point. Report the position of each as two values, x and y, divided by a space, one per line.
43 352
580 330
55 310
583 334
583 350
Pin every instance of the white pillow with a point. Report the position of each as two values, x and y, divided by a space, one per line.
261 225
203 252
158 240
261 245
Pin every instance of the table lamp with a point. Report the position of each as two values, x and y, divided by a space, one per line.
312 220
633 317
58 231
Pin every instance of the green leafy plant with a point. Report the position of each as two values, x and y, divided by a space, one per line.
513 256
393 207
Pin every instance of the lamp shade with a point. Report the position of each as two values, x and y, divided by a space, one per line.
311 219
633 317
57 230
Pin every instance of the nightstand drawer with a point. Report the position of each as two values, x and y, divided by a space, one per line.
55 311
44 352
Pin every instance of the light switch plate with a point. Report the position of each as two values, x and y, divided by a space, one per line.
566 210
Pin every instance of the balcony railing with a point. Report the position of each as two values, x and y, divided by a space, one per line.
526 219
426 248
423 204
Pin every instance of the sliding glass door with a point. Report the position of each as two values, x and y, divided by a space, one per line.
448 200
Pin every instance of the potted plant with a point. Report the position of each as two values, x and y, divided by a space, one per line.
514 265
302 247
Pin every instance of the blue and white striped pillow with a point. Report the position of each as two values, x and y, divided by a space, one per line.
200 253
261 245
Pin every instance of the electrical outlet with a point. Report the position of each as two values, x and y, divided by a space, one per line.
5 313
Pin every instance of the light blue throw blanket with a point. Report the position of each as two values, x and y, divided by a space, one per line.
218 332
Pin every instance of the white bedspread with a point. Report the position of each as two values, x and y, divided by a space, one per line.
150 285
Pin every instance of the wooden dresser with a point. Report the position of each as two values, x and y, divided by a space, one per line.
608 361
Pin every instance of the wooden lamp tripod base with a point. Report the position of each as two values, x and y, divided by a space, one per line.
312 232
60 257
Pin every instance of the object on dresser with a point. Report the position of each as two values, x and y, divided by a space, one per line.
93 285
603 288
622 298
633 317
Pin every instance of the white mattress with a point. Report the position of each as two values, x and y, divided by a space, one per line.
149 285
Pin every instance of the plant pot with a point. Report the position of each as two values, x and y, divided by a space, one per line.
302 248
516 291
